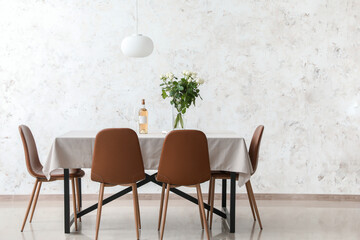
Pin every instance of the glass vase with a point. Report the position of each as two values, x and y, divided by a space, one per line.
178 119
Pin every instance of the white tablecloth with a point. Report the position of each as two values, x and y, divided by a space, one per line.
228 152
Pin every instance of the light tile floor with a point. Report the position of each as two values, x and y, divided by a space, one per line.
281 220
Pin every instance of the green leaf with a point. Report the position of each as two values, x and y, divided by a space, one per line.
164 95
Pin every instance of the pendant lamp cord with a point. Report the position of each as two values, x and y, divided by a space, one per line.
137 16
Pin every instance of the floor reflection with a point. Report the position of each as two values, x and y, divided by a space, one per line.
254 234
323 220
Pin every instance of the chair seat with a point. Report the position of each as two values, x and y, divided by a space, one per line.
58 174
222 175
73 173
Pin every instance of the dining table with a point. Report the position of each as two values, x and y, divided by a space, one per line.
227 152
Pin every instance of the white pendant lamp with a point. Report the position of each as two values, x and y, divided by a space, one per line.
137 45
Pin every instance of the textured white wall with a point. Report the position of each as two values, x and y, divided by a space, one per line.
290 65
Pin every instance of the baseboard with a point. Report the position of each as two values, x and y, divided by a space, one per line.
239 196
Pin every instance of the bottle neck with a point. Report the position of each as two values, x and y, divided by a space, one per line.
143 103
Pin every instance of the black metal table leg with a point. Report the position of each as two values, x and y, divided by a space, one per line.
230 217
66 201
113 197
223 195
187 196
232 201
80 193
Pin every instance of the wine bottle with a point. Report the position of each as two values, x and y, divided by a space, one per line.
143 118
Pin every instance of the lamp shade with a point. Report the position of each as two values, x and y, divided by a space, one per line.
137 45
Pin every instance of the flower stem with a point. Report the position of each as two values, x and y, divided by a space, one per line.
179 119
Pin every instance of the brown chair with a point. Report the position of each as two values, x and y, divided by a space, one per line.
34 167
254 155
117 160
184 162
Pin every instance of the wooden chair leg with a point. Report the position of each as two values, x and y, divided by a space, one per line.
255 206
165 210
98 216
35 201
201 220
201 202
212 200
135 210
250 200
78 195
208 202
29 205
74 203
138 208
161 204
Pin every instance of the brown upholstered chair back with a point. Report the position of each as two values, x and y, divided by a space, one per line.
255 146
184 158
117 157
33 163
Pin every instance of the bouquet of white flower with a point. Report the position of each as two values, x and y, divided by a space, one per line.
182 91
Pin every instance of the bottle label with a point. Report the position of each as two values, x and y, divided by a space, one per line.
142 119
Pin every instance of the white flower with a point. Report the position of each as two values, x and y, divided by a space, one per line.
200 80
170 75
162 76
194 74
186 73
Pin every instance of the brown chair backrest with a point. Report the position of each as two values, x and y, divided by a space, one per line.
184 158
33 163
117 157
255 147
